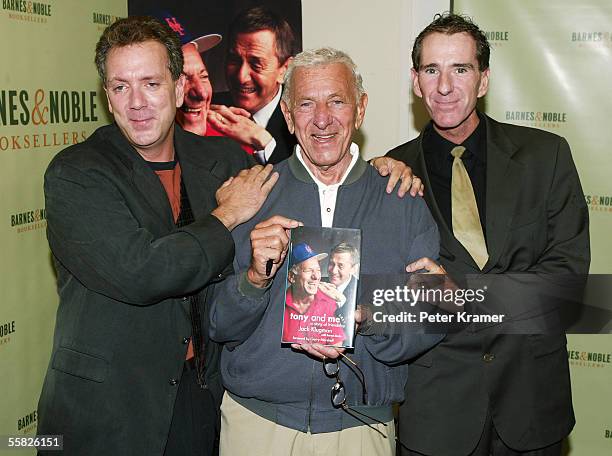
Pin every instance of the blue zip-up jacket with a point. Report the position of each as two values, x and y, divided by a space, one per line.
289 387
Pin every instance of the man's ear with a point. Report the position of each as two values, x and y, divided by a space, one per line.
362 104
416 88
179 90
110 106
283 69
484 83
287 115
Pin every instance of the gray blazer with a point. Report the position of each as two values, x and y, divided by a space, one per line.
123 271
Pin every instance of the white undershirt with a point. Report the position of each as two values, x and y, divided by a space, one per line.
262 117
328 193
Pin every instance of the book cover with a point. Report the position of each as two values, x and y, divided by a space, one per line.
322 285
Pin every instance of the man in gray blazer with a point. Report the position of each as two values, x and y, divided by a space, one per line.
139 226
484 393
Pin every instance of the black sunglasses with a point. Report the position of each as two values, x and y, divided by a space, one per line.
338 391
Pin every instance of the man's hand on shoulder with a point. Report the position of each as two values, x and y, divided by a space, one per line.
330 290
397 170
240 197
237 124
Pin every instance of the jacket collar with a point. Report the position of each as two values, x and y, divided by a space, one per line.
300 173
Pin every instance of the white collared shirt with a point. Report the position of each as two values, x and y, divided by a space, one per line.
262 117
328 193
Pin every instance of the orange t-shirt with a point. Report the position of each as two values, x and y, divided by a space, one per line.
171 181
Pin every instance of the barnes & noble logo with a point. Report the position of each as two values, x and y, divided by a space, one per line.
45 108
599 203
103 20
27 10
539 119
6 329
498 38
30 220
589 359
27 422
592 39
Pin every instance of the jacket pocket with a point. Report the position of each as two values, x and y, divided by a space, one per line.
80 364
545 344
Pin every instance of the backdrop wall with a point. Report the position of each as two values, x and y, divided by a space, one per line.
49 98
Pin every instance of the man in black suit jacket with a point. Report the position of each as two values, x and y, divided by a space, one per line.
484 393
261 45
342 270
139 226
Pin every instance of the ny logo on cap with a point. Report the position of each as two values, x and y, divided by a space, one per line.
175 25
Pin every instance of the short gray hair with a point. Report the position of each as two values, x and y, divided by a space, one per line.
321 56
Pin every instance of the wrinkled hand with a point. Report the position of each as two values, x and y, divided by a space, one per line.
318 350
330 290
429 265
397 170
269 241
237 124
240 197
443 283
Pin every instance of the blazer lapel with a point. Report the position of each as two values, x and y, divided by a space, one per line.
197 170
144 179
504 181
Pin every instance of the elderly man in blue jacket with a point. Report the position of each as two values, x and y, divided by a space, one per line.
308 398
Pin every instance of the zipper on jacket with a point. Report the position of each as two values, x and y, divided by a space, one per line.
311 393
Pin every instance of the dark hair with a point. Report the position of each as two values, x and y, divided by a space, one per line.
450 24
345 247
138 29
261 18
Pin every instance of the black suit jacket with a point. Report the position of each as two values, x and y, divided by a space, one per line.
537 222
124 271
277 127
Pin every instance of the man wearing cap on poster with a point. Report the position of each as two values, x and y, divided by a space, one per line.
279 398
193 115
196 115
508 202
139 220
306 297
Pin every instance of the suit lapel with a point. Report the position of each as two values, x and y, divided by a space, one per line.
144 179
197 170
504 181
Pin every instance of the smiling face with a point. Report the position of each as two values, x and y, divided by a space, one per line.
340 268
143 97
324 114
198 92
450 83
305 282
253 71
